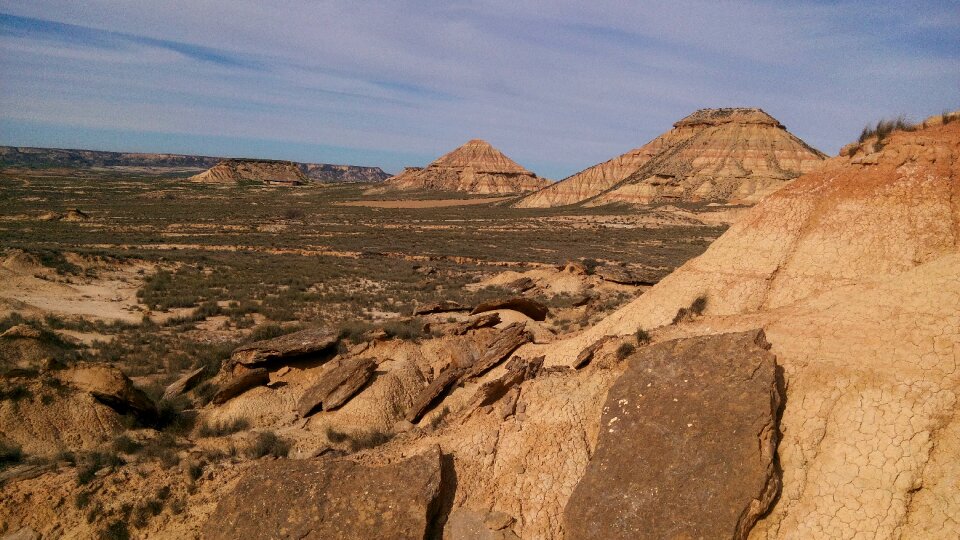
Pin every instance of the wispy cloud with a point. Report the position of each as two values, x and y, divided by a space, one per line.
557 86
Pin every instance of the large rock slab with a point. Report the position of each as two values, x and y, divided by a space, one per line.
443 306
449 376
337 386
508 340
287 347
531 308
238 382
111 387
330 499
687 443
184 383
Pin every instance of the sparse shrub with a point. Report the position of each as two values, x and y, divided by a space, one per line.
126 445
335 436
195 470
164 449
171 417
885 127
221 428
696 308
411 329
81 500
437 420
116 530
353 331
10 453
293 213
95 461
178 506
268 443
360 440
643 337
591 265
15 394
267 331
369 439
625 350
698 305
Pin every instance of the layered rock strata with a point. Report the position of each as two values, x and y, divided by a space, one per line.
476 167
737 155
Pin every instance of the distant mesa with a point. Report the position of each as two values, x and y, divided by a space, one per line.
235 171
476 167
22 156
736 155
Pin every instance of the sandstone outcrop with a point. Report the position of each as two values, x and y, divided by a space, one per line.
851 272
184 383
331 499
687 444
735 154
233 171
529 307
239 381
111 387
476 167
324 172
445 306
49 417
337 385
288 347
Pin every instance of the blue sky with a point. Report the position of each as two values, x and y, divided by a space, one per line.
557 85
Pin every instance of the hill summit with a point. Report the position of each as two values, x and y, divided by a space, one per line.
475 167
731 154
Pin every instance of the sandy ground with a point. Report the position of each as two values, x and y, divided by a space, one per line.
435 203
35 290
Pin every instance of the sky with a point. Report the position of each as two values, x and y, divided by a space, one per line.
558 86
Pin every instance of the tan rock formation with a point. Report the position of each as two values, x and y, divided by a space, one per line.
331 499
852 272
232 171
737 155
476 167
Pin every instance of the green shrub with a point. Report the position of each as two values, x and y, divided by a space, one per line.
643 337
698 305
267 443
116 530
885 127
221 428
625 350
95 461
267 331
81 500
17 393
125 445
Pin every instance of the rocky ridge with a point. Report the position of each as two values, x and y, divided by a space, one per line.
14 156
736 155
476 167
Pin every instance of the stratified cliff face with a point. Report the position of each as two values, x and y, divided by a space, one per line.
737 155
476 167
231 171
323 172
55 157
